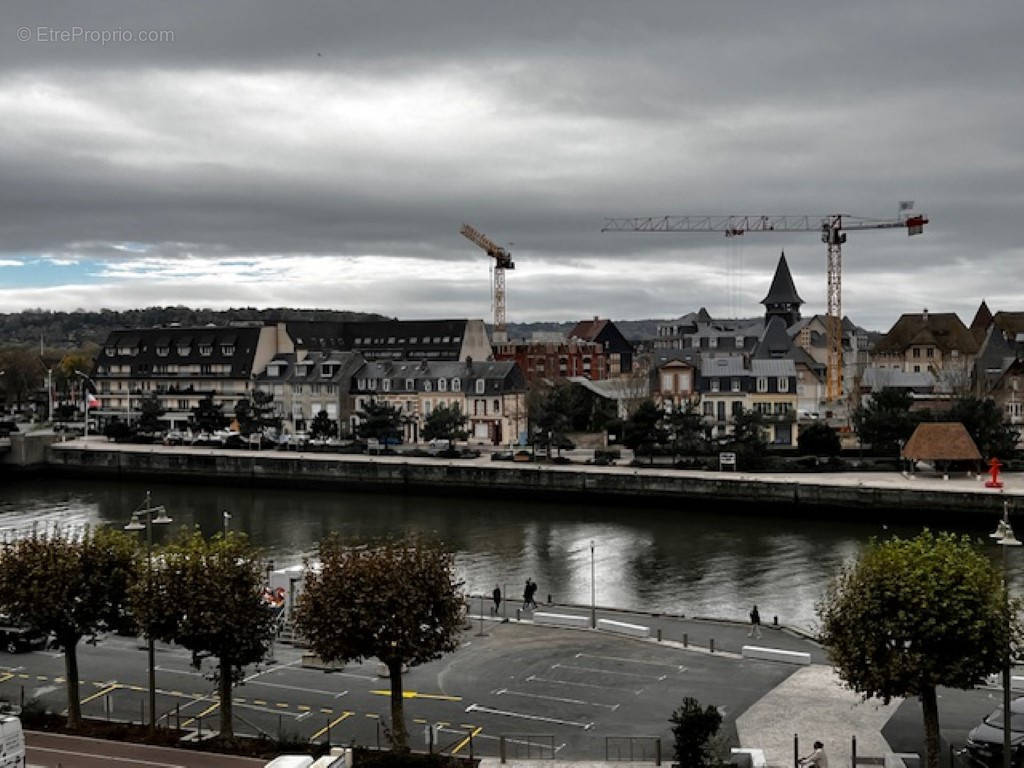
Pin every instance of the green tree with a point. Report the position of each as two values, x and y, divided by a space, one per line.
323 427
685 430
257 414
913 614
984 421
643 430
818 440
117 430
397 600
694 727
23 372
380 421
208 416
207 596
886 420
70 588
150 411
549 415
445 423
746 440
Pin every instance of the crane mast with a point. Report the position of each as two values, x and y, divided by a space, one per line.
833 233
502 261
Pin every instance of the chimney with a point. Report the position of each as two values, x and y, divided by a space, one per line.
596 318
924 314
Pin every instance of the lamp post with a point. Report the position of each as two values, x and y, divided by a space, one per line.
1005 538
143 519
593 590
85 401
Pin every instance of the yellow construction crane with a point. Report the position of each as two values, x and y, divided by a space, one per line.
502 261
833 228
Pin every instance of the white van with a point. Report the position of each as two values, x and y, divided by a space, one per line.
12 742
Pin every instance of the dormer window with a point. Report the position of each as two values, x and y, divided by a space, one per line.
206 350
227 350
386 385
481 385
163 351
783 383
184 350
410 385
361 384
456 385
111 351
426 385
442 385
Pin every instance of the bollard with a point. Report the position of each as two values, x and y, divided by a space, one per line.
686 640
23 697
659 634
549 599
177 714
430 739
775 621
712 645
518 613
657 752
470 745
200 736
501 749
853 752
796 751
378 733
280 729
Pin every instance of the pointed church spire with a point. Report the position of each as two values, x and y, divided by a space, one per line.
782 299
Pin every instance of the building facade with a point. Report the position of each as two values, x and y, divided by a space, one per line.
555 359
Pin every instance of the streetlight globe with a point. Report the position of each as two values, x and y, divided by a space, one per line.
135 525
1009 539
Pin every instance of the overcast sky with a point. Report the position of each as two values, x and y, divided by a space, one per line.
325 154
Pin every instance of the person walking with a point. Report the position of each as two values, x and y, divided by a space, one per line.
755 623
532 590
527 594
496 595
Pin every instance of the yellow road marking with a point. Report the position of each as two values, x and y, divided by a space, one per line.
303 708
283 704
103 692
418 695
373 715
6 676
204 713
466 740
177 693
239 700
325 711
343 716
42 677
260 702
419 720
23 676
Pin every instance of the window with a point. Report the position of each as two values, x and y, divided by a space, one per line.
497 407
386 385
227 349
713 342
206 350
916 352
917 369
715 385
929 352
735 385
739 342
314 389
481 385
763 408
426 388
206 369
783 384
110 351
297 389
391 339
954 353
330 389
762 383
183 405
456 385
442 385
709 408
426 403
737 407
361 384
184 350
410 385
163 351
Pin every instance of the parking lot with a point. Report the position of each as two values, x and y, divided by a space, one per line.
570 694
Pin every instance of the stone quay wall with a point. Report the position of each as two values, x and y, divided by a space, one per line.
892 497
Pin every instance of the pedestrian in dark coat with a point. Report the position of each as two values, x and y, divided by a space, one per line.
755 623
496 594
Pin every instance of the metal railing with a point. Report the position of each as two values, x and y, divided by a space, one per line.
526 746
645 749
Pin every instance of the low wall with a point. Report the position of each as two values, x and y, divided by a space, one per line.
27 451
506 479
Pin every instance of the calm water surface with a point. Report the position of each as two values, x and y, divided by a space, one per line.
696 558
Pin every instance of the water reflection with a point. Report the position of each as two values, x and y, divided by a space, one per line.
700 560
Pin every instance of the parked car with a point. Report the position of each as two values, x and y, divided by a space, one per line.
17 638
174 437
985 741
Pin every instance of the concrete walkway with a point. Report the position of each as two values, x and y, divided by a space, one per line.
813 704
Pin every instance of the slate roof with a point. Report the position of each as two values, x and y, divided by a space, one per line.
146 341
782 290
982 320
500 376
399 339
941 441
727 365
588 330
944 330
877 379
1011 323
310 370
774 368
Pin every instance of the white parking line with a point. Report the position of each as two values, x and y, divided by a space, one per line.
609 672
536 679
525 716
678 667
507 692
334 694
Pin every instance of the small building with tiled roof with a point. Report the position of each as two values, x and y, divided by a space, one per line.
942 443
926 341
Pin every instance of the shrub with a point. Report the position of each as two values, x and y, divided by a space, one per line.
694 728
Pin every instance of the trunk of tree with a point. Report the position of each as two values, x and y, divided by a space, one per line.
71 683
930 710
399 736
226 719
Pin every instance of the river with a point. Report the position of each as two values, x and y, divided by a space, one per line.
696 558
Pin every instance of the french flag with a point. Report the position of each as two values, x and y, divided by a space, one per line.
90 401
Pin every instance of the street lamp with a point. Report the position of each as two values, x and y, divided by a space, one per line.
85 401
593 590
144 519
1005 538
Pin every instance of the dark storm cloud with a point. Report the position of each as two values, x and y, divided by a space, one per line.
376 129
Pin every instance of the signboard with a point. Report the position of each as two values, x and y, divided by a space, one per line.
372 444
727 459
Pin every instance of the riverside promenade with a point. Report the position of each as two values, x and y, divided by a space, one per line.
866 493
